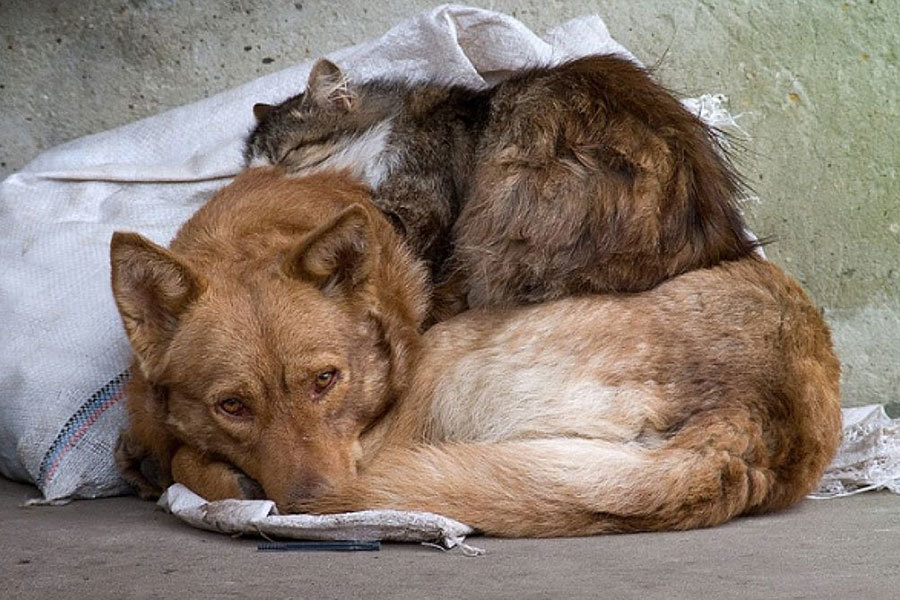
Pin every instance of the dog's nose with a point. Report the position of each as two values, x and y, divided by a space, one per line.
304 490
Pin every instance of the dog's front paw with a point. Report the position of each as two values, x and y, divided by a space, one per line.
141 470
212 478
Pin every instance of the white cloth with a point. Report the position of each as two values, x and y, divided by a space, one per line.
869 458
260 517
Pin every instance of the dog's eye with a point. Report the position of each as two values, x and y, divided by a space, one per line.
325 380
233 407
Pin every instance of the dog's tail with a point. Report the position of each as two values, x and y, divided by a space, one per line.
712 469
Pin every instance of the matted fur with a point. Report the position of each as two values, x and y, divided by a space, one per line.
713 395
578 178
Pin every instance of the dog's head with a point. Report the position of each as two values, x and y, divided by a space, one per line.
275 365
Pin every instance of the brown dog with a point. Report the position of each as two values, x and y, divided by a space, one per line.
248 273
278 340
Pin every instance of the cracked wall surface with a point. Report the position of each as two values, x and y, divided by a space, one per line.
815 84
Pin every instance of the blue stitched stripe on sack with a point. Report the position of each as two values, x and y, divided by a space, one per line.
79 424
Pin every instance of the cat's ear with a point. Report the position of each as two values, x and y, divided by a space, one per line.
152 289
336 257
328 86
261 110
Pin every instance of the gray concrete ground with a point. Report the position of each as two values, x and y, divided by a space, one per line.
126 548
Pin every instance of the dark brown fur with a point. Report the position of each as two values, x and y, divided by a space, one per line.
584 177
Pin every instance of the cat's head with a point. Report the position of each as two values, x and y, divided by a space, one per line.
330 125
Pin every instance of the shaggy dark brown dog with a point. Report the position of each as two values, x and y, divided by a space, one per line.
579 178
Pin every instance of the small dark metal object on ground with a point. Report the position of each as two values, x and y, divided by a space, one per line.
321 546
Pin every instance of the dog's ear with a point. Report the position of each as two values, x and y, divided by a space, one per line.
152 289
337 256
328 87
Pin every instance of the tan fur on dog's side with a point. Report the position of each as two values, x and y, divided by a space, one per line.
277 344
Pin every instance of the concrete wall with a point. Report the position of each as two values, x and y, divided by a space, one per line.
815 82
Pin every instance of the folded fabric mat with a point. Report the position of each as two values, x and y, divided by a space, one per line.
260 517
64 356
